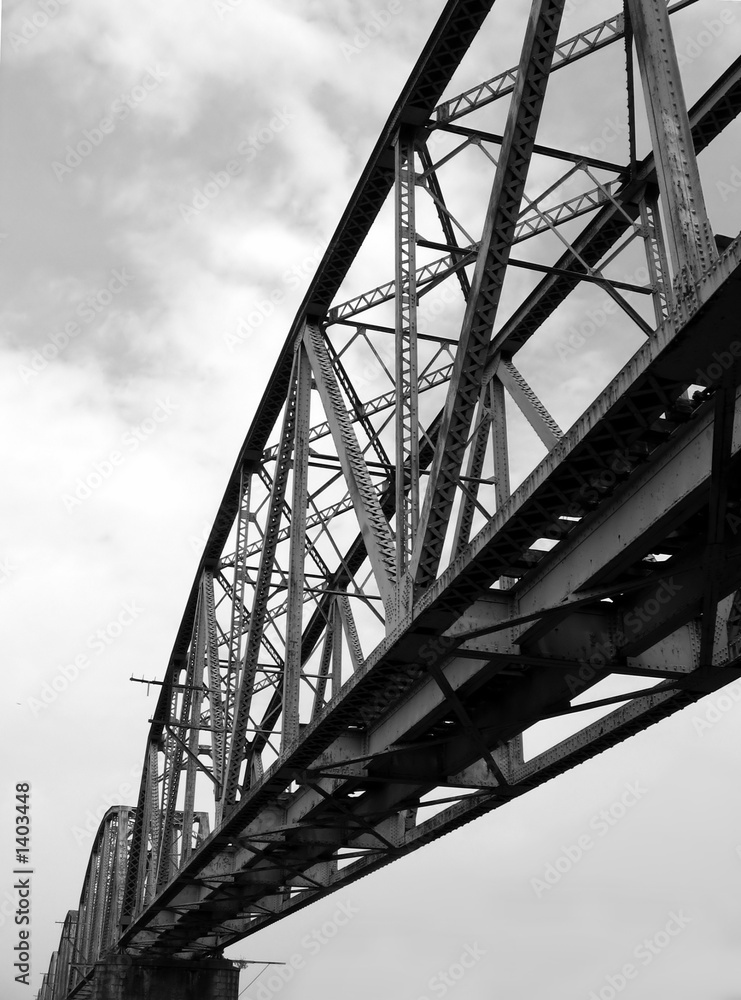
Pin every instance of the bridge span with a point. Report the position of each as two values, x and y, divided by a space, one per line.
379 620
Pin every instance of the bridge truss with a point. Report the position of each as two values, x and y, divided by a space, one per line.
378 617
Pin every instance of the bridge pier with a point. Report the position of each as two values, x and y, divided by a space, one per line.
124 977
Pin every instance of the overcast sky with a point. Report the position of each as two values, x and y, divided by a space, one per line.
122 283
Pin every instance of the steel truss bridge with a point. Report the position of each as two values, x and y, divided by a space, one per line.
378 617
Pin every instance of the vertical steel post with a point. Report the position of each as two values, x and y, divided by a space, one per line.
336 668
324 662
407 419
473 474
658 265
690 237
237 624
173 768
218 716
153 829
239 752
499 442
299 502
194 679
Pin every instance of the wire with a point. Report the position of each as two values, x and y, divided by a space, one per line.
253 980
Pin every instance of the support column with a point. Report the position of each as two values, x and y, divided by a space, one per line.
122 977
689 235
407 417
297 557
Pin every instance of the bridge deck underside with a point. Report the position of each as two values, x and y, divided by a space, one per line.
442 701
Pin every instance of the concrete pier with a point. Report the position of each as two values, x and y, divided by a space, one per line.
123 977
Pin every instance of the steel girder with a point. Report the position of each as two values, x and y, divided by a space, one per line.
93 928
376 622
507 659
91 931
